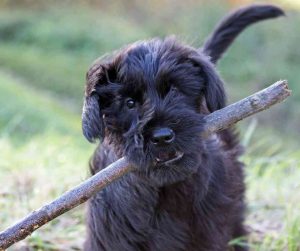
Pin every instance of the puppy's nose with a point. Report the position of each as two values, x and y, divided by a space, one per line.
162 136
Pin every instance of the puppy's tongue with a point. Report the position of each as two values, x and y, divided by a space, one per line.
164 156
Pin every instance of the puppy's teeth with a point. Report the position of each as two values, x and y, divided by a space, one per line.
179 154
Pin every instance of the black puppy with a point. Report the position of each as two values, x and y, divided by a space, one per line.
147 102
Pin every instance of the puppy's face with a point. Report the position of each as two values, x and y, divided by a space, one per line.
149 101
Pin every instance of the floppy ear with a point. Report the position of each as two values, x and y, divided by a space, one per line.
99 92
213 89
92 121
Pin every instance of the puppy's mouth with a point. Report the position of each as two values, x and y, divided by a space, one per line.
168 157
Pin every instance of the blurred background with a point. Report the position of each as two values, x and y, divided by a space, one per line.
46 48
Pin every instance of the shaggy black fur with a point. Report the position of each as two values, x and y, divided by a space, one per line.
147 102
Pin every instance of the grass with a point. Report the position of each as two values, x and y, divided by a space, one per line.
273 199
43 58
60 74
42 145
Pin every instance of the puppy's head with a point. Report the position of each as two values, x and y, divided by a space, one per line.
149 101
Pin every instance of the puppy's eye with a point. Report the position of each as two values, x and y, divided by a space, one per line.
130 103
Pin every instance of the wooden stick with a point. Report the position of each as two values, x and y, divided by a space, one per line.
246 107
216 121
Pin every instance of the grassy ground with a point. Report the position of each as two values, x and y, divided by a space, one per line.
43 59
44 154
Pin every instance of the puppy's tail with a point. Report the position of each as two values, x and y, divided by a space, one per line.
230 27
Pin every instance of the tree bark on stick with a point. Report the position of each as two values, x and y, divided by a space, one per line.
215 121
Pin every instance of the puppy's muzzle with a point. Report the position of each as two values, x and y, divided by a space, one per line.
162 139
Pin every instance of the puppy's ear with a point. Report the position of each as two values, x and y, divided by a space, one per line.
213 91
92 118
92 121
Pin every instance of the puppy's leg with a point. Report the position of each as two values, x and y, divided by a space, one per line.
103 156
92 243
239 231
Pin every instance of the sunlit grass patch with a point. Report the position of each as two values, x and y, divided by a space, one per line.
38 172
42 155
273 194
